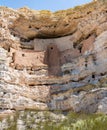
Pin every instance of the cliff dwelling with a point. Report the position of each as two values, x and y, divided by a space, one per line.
51 56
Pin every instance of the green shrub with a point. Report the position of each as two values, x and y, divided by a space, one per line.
79 122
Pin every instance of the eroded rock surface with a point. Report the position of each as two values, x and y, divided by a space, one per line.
54 61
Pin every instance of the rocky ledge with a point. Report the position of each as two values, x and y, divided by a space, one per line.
54 61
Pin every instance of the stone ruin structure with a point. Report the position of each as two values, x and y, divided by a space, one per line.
54 61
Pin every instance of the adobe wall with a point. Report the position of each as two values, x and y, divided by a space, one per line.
68 55
53 60
62 43
27 59
88 44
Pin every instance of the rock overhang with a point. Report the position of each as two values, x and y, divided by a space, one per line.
31 24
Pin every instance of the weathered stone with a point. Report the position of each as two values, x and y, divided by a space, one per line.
54 60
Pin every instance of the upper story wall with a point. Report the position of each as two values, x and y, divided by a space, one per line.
62 43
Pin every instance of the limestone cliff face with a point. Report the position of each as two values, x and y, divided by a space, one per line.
54 60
